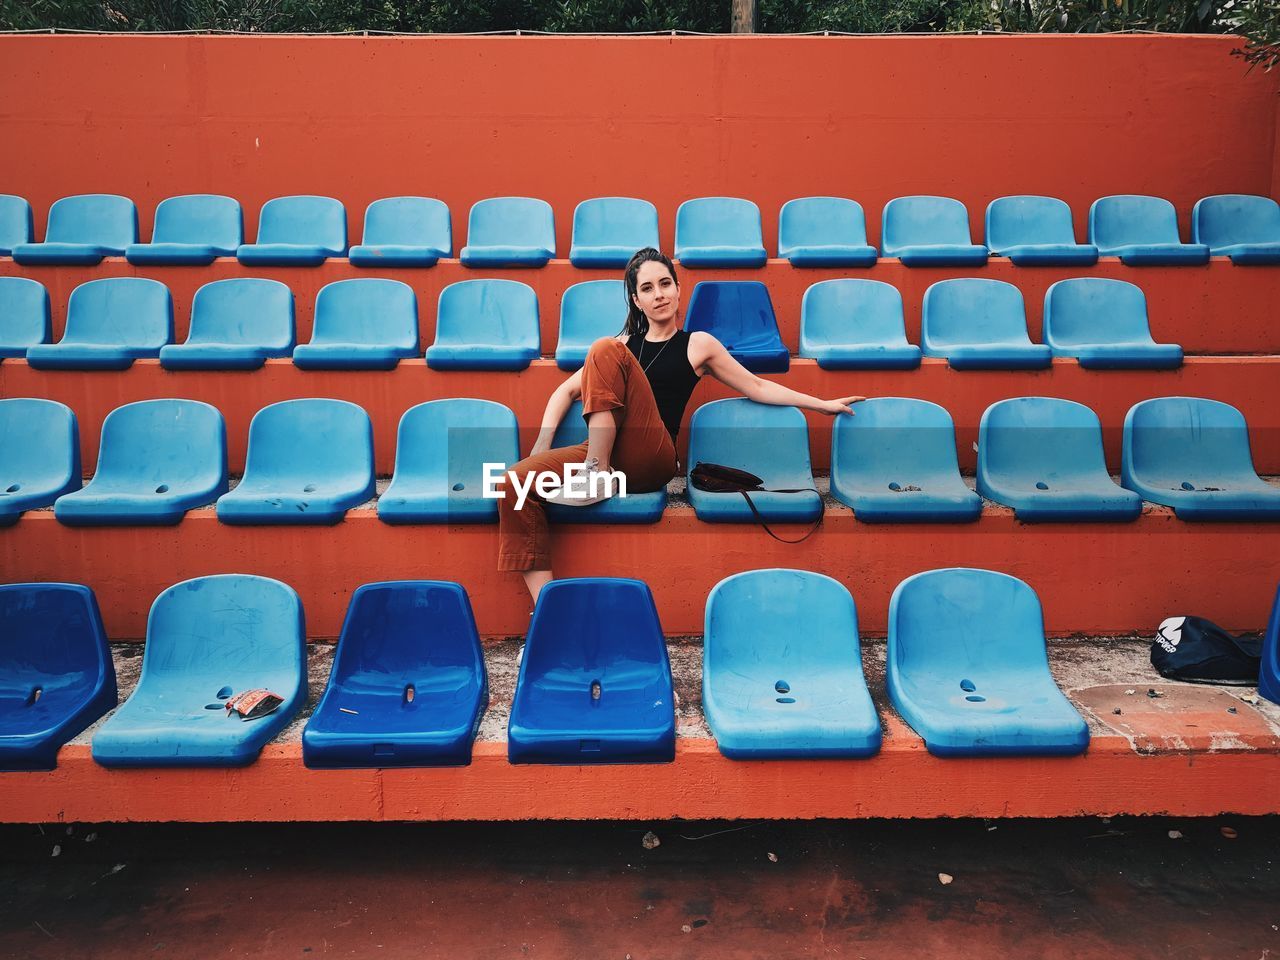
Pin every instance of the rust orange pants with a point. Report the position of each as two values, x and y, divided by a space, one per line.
612 379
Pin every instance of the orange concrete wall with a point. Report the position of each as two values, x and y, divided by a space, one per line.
768 118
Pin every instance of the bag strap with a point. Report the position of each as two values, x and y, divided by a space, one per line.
761 520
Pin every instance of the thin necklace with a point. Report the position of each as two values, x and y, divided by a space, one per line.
645 367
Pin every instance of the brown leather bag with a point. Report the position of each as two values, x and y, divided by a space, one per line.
718 478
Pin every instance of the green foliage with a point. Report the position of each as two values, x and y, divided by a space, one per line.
1259 21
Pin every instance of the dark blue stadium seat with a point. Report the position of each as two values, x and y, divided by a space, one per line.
39 455
767 696
719 232
404 232
849 324
740 315
362 324
1269 675
510 232
595 683
56 674
1141 231
588 311
16 223
308 462
968 670
24 316
929 232
297 232
110 323
1036 231
82 230
1244 228
824 232
236 324
192 231
486 325
157 460
1103 324
210 639
979 324
607 231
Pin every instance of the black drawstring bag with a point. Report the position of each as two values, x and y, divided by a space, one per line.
1196 650
717 478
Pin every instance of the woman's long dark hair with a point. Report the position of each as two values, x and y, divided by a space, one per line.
637 322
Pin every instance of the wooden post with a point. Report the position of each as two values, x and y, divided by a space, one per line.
744 16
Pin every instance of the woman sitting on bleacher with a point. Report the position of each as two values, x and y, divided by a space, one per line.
634 389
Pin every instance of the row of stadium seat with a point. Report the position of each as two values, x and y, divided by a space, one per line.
372 324
310 461
710 232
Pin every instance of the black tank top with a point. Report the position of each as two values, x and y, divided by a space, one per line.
669 373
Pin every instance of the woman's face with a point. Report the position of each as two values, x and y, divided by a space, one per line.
657 293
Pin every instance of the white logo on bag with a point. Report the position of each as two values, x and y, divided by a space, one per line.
1169 634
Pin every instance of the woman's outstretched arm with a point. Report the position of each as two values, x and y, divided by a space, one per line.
558 404
718 362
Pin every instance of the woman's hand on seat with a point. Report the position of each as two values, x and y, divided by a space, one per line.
836 407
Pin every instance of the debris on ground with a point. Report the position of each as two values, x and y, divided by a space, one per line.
1175 834
650 840
57 849
1229 832
1153 693
945 878
773 858
686 929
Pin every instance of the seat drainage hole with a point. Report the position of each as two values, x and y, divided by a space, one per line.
13 488
224 693
409 693
976 698
1187 485
35 696
786 699
782 686
163 488
215 706
968 686
309 488
595 689
1041 485
459 486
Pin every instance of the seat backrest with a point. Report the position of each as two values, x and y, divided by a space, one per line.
487 312
615 222
511 222
1016 221
739 313
894 439
972 310
821 221
451 440
367 310
202 218
169 442
16 223
909 221
24 312
1176 439
1041 438
39 442
304 220
1230 219
591 310
132 311
51 640
770 441
101 219
243 310
331 438
850 310
409 222
718 222
1091 310
1130 219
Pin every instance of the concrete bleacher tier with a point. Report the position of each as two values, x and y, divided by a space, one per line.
432 189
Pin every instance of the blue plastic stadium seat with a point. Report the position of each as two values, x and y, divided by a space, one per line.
110 323
404 232
633 508
895 461
441 449
192 230
157 460
1103 324
297 232
740 315
510 232
82 230
408 685
850 324
824 232
1044 458
1193 455
308 462
588 311
56 674
362 324
24 316
767 696
208 640
1034 232
979 324
607 231
39 455
16 223
771 442
719 232
236 324
1141 231
1244 228
1269 675
930 232
595 683
486 325
968 670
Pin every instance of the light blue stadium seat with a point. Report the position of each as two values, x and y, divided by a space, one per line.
929 232
441 449
1043 457
607 231
297 232
191 231
719 232
308 462
771 442
824 232
1269 675
1141 231
236 324
968 670
851 324
157 459
1034 232
24 316
362 324
408 685
740 315
16 223
633 508
486 325
39 455
1103 324
979 324
56 674
895 461
210 639
1242 227
1193 455
510 232
110 323
404 232
82 230
595 683
588 311
767 696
